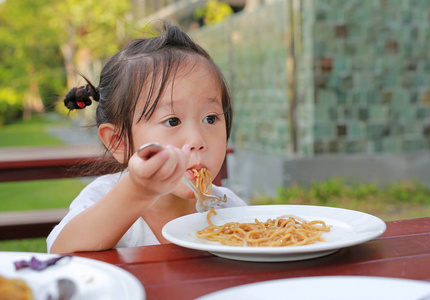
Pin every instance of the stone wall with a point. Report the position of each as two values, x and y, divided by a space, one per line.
250 49
372 76
313 79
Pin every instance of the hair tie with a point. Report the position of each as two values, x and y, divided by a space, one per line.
77 98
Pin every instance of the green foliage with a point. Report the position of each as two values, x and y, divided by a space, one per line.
10 104
29 55
88 24
408 192
389 201
325 190
336 190
43 42
213 12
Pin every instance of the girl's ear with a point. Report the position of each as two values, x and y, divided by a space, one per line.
108 135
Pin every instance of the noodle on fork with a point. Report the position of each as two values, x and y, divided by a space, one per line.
202 188
203 180
279 232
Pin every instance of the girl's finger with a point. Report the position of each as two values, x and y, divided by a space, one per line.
170 168
147 168
175 167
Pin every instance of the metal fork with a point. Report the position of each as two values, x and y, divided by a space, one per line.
204 201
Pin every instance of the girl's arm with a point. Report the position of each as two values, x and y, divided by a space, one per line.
103 224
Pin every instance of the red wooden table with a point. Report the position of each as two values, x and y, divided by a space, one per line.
172 272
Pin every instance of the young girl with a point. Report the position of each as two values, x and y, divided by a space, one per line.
167 90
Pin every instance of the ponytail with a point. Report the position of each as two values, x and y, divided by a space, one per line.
79 98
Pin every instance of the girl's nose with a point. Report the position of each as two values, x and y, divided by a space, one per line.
196 139
201 147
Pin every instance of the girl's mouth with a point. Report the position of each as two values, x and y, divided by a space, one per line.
196 167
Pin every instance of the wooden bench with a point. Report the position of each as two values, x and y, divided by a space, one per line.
35 163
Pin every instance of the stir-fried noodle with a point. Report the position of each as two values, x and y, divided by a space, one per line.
282 231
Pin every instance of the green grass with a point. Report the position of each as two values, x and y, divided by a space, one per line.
38 194
27 245
28 133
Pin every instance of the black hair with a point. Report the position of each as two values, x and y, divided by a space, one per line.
148 63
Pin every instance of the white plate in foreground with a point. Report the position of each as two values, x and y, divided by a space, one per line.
349 228
94 279
328 288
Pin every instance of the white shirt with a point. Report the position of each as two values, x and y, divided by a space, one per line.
139 234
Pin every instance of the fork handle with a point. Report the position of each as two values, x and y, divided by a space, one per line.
148 150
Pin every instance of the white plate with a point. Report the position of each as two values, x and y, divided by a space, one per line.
94 279
328 288
349 228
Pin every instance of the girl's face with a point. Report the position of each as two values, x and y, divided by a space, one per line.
189 112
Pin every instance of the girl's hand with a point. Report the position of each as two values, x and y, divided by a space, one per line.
158 172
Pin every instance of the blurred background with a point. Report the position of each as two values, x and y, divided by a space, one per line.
331 97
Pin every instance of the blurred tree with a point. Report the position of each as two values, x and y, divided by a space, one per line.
29 58
44 44
90 30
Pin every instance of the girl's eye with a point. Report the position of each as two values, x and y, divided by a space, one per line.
210 119
172 122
